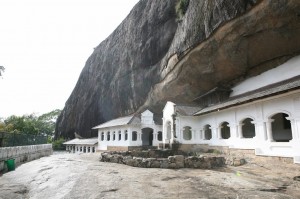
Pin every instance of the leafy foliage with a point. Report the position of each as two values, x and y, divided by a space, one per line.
58 144
31 124
181 8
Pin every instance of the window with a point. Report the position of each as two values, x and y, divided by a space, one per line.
159 136
114 136
248 129
120 135
281 128
102 136
207 132
225 130
126 135
187 133
134 136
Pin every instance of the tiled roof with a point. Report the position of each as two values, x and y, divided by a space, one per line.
89 141
119 122
280 87
187 110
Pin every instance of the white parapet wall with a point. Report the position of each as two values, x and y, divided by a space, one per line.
22 154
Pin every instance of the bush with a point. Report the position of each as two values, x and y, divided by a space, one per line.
58 144
181 8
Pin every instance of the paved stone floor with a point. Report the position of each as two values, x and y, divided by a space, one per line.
65 175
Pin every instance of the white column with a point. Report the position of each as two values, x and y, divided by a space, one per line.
129 135
233 131
122 135
293 128
201 136
297 128
269 130
240 130
219 132
155 136
260 131
194 135
214 132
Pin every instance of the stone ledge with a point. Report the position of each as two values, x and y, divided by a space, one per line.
22 154
171 162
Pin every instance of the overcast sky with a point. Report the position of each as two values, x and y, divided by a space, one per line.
44 45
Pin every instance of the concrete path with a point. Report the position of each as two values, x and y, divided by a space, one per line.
83 176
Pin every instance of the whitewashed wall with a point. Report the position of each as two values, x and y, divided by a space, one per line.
261 112
285 71
168 111
103 144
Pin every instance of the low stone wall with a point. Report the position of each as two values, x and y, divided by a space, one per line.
171 162
232 154
129 148
22 154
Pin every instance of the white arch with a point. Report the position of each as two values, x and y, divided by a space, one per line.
246 117
223 122
271 114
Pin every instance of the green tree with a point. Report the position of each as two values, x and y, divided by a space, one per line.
46 122
31 124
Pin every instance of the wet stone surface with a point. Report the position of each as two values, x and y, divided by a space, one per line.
84 176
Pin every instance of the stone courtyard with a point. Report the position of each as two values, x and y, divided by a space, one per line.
64 175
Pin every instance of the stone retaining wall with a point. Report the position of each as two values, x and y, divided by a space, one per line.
247 154
23 154
129 148
171 162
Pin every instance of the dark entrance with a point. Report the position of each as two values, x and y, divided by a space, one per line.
147 137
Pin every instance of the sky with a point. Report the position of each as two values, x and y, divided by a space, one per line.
44 45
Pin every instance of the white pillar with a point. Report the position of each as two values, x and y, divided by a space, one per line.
260 131
122 135
214 132
105 136
269 130
297 129
129 135
219 132
200 134
194 136
240 130
293 128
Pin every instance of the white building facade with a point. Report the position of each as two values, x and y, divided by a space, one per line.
262 113
265 118
82 145
130 131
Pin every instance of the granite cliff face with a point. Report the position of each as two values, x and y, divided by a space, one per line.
152 57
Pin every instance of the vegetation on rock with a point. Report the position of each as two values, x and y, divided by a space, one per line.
181 8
